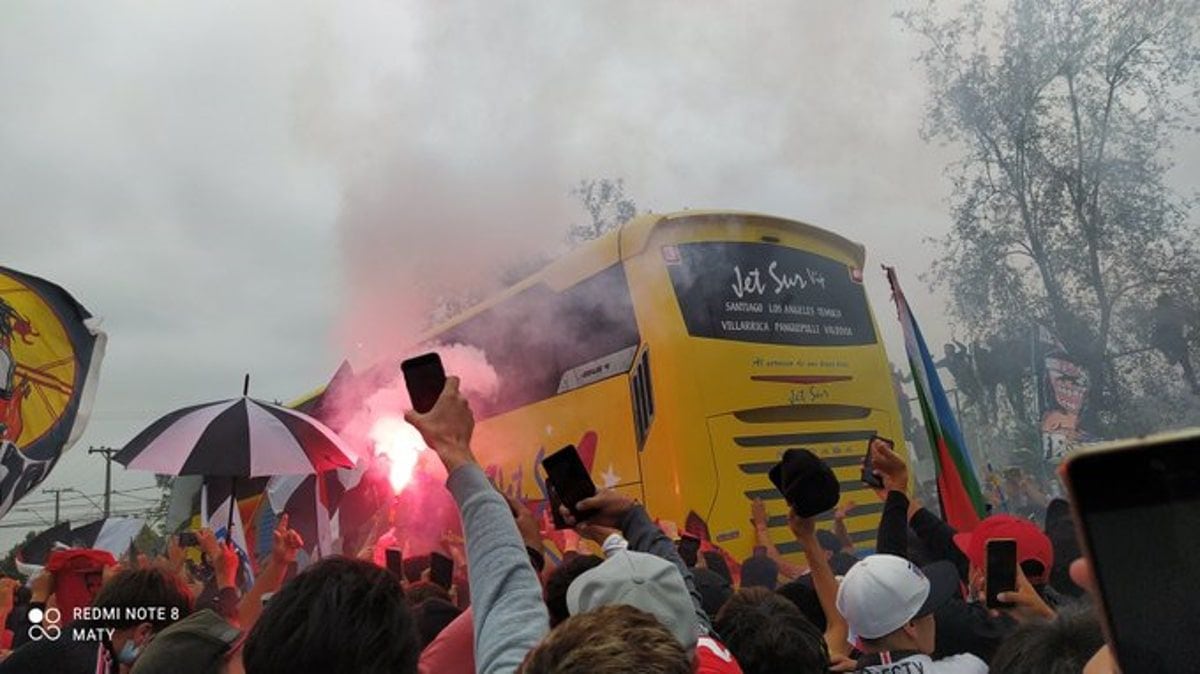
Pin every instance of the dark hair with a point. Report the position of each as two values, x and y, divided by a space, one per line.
615 639
432 616
164 593
415 566
339 615
760 572
714 590
1060 646
424 590
802 594
766 633
560 579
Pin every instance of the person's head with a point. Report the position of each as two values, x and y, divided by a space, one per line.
560 579
339 615
1060 646
1035 552
141 589
888 602
766 633
641 580
616 639
432 616
804 597
202 643
423 590
713 588
760 571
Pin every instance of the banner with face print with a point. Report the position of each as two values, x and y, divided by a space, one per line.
50 355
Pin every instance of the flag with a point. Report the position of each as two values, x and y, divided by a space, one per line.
958 485
50 353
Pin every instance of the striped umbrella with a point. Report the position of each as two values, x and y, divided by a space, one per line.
242 437
238 438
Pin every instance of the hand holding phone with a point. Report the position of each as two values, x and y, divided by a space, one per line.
1001 570
425 379
1135 503
868 469
569 478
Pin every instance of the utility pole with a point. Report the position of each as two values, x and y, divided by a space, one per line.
57 495
108 459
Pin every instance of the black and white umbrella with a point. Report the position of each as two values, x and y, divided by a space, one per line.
242 437
238 438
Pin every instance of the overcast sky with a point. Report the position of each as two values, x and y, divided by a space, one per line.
259 187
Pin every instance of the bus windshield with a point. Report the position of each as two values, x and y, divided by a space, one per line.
768 293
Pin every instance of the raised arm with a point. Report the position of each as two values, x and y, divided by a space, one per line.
762 538
286 542
825 583
611 509
506 597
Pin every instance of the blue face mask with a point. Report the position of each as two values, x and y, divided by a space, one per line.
129 653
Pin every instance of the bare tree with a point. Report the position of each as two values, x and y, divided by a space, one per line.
607 206
1065 111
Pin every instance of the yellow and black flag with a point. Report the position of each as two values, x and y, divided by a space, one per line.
50 355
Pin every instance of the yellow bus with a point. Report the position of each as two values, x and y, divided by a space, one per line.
682 354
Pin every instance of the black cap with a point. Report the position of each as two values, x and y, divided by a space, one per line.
807 484
943 584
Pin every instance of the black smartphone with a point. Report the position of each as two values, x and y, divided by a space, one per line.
868 469
1001 570
425 379
553 503
716 563
441 570
568 476
1136 505
188 539
395 562
688 547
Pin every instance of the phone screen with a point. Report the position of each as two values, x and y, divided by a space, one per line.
395 562
188 539
425 379
553 504
1137 508
1001 570
441 570
689 548
569 477
868 470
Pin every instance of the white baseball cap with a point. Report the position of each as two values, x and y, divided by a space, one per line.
882 593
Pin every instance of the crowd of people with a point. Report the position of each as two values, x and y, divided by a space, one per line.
912 606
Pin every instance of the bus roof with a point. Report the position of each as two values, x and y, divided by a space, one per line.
629 240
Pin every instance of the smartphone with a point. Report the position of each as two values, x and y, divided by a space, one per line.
395 562
688 547
553 503
716 563
188 539
266 597
425 379
868 469
1001 570
441 570
1136 505
568 476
